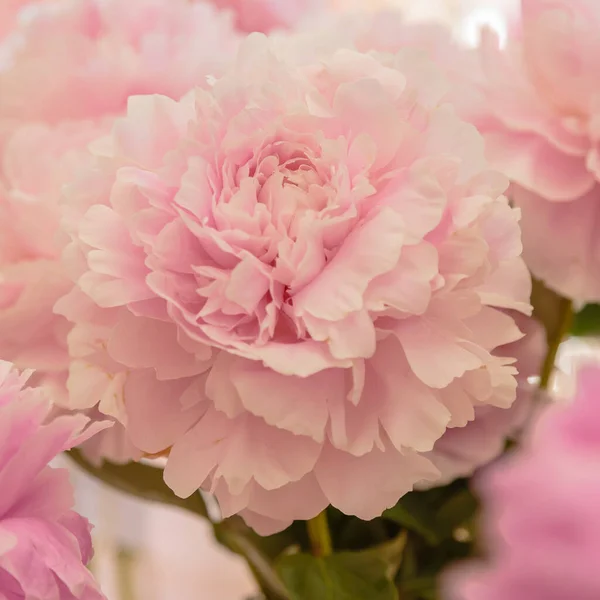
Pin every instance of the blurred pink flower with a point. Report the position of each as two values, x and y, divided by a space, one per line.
70 68
541 504
540 116
295 279
81 59
37 161
389 30
266 15
44 544
9 11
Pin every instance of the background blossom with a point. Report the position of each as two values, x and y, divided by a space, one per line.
541 511
265 15
536 103
82 59
539 113
70 67
44 544
294 282
37 161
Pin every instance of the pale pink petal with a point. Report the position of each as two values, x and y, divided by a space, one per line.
239 451
535 165
149 402
298 405
337 473
571 267
140 343
434 353
373 250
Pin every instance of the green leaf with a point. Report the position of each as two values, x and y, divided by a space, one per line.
415 515
456 511
435 514
587 321
344 576
423 586
139 480
389 553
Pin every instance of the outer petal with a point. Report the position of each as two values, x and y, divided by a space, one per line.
238 451
570 266
532 163
381 486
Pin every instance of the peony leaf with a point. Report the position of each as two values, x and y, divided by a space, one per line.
139 480
423 588
434 515
414 514
344 576
390 553
586 322
459 509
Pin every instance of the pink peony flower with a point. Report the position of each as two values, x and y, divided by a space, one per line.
542 511
265 15
37 160
294 281
44 544
391 30
540 115
82 59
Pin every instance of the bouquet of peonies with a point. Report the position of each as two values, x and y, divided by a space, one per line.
289 251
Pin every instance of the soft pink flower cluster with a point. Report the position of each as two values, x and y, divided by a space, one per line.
37 160
541 506
82 59
294 281
267 15
536 102
44 544
68 70
9 11
96 54
539 112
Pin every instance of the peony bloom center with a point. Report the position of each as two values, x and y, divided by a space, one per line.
278 216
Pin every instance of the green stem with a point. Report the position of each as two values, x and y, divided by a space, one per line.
565 319
233 534
126 560
319 535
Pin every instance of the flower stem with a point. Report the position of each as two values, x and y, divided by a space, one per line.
319 535
565 319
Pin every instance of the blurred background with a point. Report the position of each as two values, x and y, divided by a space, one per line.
150 552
